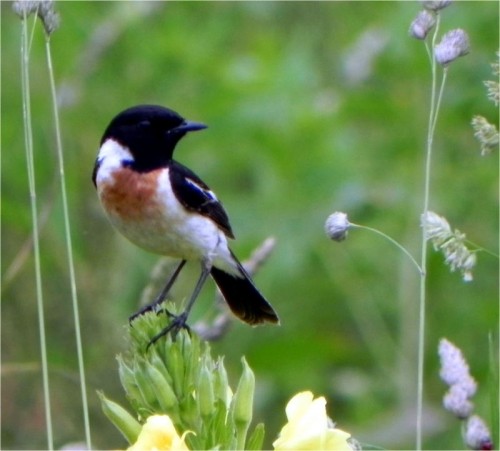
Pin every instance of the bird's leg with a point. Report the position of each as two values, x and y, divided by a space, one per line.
179 321
163 294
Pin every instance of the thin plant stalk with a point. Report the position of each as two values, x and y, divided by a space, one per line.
67 229
393 241
28 141
433 115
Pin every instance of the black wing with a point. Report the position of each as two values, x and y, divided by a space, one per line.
195 195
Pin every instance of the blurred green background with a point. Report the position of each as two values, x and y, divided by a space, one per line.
312 108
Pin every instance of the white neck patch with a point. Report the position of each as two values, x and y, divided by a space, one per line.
111 156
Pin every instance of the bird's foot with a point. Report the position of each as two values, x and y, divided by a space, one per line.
142 311
177 323
150 308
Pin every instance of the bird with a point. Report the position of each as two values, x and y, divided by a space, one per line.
163 207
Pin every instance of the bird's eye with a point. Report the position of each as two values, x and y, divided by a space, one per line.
144 124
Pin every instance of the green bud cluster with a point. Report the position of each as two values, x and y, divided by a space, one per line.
178 377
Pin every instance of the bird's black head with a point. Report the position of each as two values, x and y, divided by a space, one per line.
150 133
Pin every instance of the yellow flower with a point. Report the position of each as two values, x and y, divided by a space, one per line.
308 427
159 434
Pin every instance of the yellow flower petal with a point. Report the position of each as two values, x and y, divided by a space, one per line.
307 427
159 434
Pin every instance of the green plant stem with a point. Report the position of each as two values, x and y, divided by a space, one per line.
393 241
241 434
438 102
67 229
28 141
479 248
433 113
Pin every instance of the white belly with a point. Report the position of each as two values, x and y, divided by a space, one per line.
164 226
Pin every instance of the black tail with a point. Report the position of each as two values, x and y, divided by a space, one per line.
243 298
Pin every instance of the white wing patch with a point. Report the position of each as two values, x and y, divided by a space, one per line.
206 192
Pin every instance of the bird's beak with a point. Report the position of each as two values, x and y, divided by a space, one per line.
188 126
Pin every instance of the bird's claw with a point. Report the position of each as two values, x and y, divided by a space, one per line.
177 323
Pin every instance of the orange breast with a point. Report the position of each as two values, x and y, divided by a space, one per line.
131 195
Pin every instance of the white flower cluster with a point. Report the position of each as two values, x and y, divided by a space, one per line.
44 9
422 24
485 132
456 253
455 373
453 44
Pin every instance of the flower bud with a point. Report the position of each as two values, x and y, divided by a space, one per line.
423 23
435 5
455 373
206 393
129 383
222 390
477 434
243 398
125 423
164 393
175 365
455 43
43 8
23 8
157 362
454 368
150 400
456 401
336 226
48 16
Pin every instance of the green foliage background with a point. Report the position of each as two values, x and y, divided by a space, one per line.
312 108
